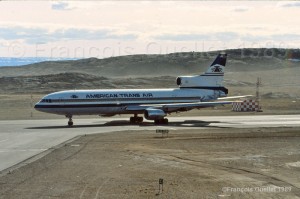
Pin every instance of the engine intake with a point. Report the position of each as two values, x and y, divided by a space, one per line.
185 81
178 81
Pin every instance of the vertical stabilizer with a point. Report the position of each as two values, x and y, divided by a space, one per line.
217 68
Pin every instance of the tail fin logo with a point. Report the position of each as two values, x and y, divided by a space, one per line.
217 69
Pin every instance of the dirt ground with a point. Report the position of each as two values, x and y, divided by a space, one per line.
206 163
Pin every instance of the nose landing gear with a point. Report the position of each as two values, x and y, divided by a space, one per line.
70 122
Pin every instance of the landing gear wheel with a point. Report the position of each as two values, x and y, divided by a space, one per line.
136 120
70 122
140 119
165 121
161 121
132 120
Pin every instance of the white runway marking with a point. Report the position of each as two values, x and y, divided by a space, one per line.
22 139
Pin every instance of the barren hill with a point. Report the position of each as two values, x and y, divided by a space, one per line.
69 81
279 73
151 65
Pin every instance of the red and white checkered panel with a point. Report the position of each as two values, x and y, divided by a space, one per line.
246 105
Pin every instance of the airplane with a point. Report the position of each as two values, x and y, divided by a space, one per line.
193 92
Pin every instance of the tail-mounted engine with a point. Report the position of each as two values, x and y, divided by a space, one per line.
211 79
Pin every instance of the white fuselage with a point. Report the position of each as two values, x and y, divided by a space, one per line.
111 102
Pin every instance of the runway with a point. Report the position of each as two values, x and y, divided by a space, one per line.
22 139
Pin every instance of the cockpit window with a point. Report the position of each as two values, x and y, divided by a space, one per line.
46 100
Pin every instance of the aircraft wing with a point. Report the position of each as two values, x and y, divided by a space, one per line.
234 97
176 106
184 106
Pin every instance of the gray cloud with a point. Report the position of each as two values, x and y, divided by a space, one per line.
182 37
240 9
60 6
254 38
275 37
290 4
41 35
228 36
198 37
286 37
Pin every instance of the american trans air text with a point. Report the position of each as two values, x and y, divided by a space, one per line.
119 95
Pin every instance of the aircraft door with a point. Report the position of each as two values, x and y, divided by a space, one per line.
61 100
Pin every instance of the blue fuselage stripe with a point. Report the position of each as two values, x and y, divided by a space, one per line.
107 105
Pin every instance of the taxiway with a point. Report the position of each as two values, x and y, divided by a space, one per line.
23 139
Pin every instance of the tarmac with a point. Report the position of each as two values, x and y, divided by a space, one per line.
20 140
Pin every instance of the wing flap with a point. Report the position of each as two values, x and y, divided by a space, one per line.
176 105
196 105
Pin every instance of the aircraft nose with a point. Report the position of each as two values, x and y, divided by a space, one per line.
36 106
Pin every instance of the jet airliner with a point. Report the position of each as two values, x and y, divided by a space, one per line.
193 92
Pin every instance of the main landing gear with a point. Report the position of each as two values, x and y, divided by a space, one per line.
136 120
161 121
70 122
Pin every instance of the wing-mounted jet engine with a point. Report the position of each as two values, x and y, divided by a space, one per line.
156 114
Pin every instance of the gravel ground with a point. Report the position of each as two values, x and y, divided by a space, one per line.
207 163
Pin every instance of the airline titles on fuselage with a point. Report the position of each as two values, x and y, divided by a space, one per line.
119 95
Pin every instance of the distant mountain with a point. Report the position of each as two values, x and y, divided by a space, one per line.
277 69
22 61
174 64
70 81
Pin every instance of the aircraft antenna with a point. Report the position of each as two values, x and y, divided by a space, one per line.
258 98
31 105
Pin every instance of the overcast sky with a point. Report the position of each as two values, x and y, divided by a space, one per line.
103 29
